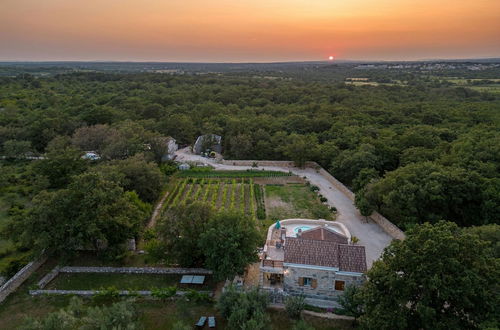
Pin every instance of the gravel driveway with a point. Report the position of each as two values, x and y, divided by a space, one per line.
371 235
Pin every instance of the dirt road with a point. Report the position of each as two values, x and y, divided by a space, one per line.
371 235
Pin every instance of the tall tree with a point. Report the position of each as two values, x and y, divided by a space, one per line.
229 244
91 212
439 277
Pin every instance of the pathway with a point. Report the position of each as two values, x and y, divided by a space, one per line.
371 235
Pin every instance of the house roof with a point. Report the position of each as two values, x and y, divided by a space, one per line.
324 234
349 258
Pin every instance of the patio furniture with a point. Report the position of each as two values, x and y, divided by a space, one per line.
201 321
211 322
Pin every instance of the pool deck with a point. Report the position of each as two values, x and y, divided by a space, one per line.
291 226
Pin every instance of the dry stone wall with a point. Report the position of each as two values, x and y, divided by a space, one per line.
383 222
15 281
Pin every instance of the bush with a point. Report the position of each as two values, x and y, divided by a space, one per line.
350 302
9 266
164 293
314 188
302 325
294 305
323 199
106 295
198 297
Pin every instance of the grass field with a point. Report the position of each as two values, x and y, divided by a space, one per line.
294 201
90 281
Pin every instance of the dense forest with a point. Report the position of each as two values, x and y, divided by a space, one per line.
417 148
415 153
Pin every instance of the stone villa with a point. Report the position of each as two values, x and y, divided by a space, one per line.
314 258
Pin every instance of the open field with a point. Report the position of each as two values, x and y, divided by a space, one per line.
294 201
94 281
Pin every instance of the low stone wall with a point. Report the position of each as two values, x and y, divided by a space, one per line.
336 183
15 281
383 222
49 277
89 293
277 163
379 219
387 226
136 270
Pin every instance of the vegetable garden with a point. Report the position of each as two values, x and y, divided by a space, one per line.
222 193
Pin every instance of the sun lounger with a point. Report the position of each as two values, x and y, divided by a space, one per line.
201 321
211 322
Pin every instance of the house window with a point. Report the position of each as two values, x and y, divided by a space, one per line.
339 285
308 281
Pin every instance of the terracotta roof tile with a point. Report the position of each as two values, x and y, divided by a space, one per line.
324 234
302 251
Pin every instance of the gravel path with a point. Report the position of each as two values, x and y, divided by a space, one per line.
371 235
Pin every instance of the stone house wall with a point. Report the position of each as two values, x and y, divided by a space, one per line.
325 288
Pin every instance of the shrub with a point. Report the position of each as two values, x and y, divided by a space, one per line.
323 199
302 325
198 297
106 295
314 188
350 302
164 293
294 305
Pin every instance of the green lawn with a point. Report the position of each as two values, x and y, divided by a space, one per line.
95 281
294 201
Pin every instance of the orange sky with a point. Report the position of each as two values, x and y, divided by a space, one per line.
248 30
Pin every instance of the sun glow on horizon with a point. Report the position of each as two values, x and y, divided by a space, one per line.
237 30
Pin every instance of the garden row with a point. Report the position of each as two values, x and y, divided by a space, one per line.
207 173
222 194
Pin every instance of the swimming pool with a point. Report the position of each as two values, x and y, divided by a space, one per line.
303 228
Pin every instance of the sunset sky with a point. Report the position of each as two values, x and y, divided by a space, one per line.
248 30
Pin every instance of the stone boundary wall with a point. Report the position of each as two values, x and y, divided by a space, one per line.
89 293
117 270
15 281
49 277
136 270
379 219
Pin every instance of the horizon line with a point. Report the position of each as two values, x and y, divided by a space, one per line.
258 62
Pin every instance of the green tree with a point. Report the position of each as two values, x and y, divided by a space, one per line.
294 305
245 310
180 230
300 148
16 149
91 212
350 302
439 277
229 244
62 162
121 315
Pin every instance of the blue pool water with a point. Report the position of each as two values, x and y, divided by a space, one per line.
304 228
